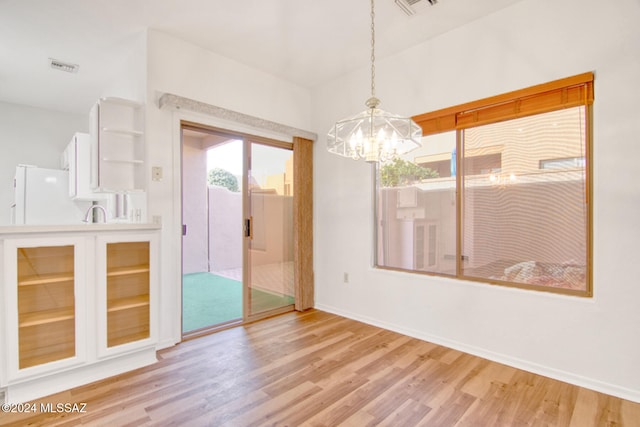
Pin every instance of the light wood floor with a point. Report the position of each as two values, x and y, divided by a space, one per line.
318 369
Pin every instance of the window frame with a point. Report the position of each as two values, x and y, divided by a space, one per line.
560 94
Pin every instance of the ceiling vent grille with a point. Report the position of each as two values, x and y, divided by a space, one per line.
63 66
411 7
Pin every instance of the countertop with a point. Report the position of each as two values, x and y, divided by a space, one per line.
75 228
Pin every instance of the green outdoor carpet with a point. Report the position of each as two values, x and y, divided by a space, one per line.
209 299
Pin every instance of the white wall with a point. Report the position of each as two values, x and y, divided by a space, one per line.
183 69
129 73
38 136
588 341
33 136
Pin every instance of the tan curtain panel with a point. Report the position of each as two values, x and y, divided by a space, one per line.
303 222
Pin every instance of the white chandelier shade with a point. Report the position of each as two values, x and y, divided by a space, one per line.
374 135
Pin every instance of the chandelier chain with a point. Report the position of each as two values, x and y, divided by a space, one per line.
373 52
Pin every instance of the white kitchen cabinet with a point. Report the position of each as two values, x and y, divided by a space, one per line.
117 139
77 159
78 307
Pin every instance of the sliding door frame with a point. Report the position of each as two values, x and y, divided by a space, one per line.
302 218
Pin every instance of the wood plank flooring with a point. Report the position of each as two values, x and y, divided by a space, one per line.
318 369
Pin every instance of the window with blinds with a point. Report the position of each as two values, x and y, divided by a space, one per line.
501 192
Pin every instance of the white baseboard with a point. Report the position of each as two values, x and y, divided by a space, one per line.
166 344
27 390
568 377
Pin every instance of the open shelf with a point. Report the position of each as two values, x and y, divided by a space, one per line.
127 303
131 161
45 279
118 129
123 271
46 316
121 101
123 131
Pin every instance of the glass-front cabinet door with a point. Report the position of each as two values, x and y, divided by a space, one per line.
45 313
46 305
125 292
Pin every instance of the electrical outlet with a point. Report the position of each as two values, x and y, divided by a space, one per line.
156 173
345 278
157 219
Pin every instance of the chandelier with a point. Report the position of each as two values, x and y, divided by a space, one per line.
374 134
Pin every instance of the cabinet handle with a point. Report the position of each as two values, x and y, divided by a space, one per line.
184 229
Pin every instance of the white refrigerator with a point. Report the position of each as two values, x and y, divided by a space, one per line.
42 197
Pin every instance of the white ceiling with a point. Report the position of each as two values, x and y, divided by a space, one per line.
307 42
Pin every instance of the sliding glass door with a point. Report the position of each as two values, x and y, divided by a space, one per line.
269 272
237 215
212 242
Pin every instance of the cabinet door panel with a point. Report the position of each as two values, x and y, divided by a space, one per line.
44 280
127 266
46 304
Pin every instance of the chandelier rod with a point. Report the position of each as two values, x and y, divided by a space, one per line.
373 51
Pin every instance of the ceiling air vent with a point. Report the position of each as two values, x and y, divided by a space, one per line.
411 7
63 66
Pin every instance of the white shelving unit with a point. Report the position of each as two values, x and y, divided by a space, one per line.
117 136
